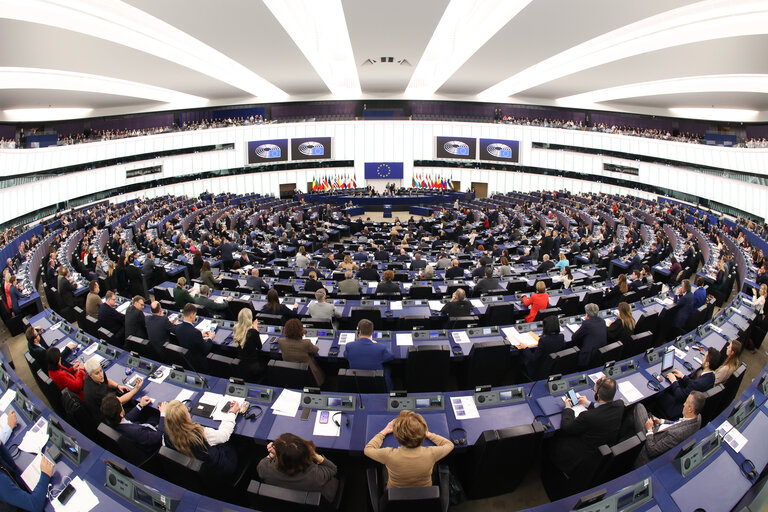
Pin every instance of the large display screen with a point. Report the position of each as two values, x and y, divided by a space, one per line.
264 151
383 170
499 150
311 148
463 148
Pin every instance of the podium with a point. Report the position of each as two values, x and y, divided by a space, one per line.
387 211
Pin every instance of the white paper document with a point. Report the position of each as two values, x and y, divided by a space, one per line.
91 349
596 376
324 424
7 398
629 391
31 475
464 408
435 305
312 339
476 303
184 394
346 337
35 438
287 404
732 436
82 500
396 305
209 398
161 374
404 339
203 326
372 284
679 353
122 308
460 337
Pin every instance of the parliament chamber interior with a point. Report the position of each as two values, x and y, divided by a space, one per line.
461 278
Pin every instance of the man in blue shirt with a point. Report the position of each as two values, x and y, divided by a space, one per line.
366 354
700 295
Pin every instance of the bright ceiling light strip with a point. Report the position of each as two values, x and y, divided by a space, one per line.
120 23
320 31
716 114
53 79
682 85
463 29
44 114
702 21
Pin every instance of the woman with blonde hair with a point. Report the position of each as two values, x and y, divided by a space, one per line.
410 464
248 341
623 327
731 363
428 273
348 264
181 296
206 444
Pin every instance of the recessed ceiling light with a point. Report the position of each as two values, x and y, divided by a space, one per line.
701 21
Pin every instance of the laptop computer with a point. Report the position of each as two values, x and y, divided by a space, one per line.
667 361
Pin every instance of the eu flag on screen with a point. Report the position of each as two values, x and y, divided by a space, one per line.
383 170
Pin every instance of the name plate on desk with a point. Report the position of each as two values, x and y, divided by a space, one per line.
106 351
180 376
330 402
741 412
703 330
491 298
409 403
683 341
616 370
522 326
320 333
339 302
415 302
692 456
373 302
626 500
137 363
223 324
486 397
26 407
5 379
382 335
425 335
240 389
66 444
557 385
120 480
483 331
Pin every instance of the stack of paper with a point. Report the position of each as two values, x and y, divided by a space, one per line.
630 392
396 305
287 404
476 303
526 339
35 438
460 337
404 339
346 337
7 398
435 305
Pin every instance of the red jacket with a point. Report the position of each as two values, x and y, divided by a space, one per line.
536 302
68 378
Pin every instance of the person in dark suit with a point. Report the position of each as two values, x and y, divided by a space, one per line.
66 289
660 440
328 262
312 284
135 280
672 399
368 273
159 328
636 281
256 283
683 308
365 354
145 436
381 254
38 347
226 251
387 286
454 271
580 436
12 295
700 295
111 319
591 335
274 307
488 283
623 327
198 343
134 319
149 267
546 264
547 242
635 261
418 263
211 306
551 341
459 305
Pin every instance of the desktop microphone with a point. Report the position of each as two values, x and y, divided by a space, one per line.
205 381
357 385
531 390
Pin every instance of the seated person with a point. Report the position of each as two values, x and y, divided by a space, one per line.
146 436
135 324
387 286
213 307
13 492
537 301
623 327
312 284
96 386
454 271
546 265
274 307
662 435
488 283
180 295
364 353
591 335
110 318
93 302
459 305
368 273
297 349
293 463
69 377
551 341
672 399
256 283
209 445
246 336
38 348
700 295
322 310
581 435
350 285
731 363
410 464
198 343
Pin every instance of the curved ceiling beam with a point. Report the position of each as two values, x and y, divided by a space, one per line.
118 22
702 21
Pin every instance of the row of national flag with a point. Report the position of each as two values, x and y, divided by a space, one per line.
335 182
429 181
